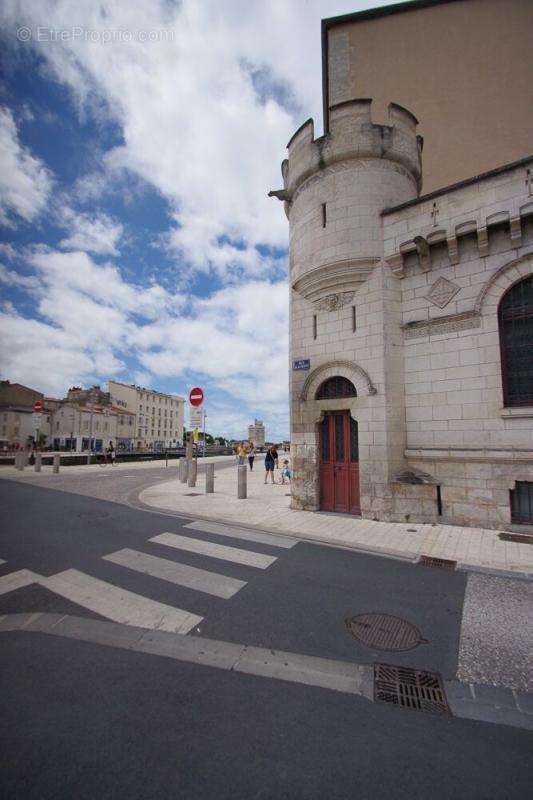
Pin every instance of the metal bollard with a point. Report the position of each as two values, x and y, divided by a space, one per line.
191 480
19 461
209 478
38 462
241 481
184 470
56 462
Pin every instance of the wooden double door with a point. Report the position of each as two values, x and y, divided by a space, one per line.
339 463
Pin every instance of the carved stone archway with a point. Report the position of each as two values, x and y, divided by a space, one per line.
493 290
346 369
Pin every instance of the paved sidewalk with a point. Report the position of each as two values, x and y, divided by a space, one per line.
268 508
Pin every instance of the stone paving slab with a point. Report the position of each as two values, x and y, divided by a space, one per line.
267 507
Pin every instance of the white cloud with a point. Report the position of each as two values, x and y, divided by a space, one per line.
206 116
25 182
234 342
96 233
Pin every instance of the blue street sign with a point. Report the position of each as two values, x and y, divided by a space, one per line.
302 363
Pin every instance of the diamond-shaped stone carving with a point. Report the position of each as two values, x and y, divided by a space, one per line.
442 292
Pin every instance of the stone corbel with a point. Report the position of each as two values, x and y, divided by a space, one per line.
516 231
395 262
424 254
453 250
482 241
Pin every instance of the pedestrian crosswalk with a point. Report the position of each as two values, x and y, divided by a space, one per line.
181 574
108 599
221 551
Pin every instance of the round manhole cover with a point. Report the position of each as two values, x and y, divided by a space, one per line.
385 632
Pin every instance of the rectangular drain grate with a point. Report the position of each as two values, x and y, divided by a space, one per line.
415 689
521 538
442 563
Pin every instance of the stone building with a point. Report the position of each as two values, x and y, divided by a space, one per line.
256 433
159 416
411 325
17 417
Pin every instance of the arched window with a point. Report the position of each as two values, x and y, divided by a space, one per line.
334 388
515 318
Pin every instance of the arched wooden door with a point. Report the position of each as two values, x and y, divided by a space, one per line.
339 463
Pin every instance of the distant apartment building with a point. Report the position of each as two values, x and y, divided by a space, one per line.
16 415
79 428
256 433
159 416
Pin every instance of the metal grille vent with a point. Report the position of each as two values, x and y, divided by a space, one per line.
414 689
442 563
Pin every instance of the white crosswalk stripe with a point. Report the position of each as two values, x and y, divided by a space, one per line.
234 554
180 574
247 535
119 604
18 579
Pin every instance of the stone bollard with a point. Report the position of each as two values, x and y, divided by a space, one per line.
191 480
184 470
209 478
38 462
19 461
242 472
56 462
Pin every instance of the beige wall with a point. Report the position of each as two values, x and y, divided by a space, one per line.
464 68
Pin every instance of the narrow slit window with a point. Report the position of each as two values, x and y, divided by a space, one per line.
324 215
314 326
354 320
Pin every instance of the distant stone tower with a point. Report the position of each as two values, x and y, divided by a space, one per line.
346 347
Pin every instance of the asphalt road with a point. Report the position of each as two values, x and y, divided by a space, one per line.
87 721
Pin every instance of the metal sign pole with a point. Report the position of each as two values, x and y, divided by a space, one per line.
204 432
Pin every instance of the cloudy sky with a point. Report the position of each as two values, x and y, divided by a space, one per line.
138 142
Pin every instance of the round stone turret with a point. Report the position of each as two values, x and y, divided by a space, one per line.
335 188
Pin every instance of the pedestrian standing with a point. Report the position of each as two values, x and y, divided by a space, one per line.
111 452
269 465
275 455
241 453
251 456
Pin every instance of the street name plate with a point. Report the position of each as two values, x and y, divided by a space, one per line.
302 363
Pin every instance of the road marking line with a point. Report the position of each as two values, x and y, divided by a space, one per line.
180 574
2 561
235 533
233 554
18 579
119 604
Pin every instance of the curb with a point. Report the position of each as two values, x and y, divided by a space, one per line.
397 555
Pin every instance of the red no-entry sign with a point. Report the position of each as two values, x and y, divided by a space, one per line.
196 396
37 406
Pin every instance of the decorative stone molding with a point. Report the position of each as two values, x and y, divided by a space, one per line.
442 292
448 324
424 253
503 279
515 227
453 250
490 454
341 277
483 242
346 369
332 302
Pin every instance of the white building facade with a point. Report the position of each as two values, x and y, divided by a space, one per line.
159 417
411 329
